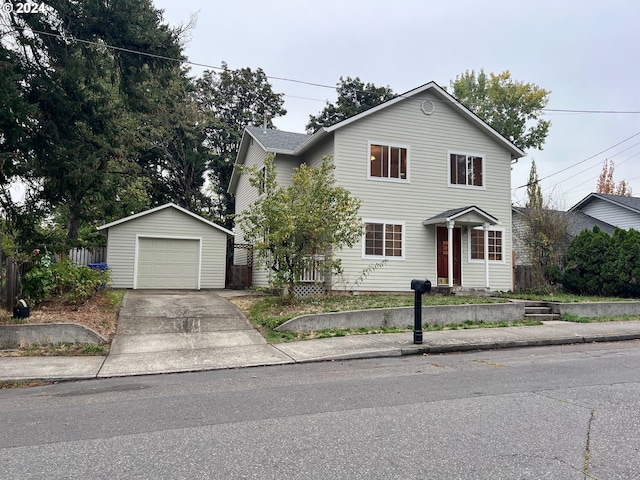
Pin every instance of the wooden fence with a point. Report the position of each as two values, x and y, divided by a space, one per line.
11 281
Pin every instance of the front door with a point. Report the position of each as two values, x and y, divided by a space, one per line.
443 255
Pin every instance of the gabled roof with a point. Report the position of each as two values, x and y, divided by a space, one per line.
162 207
630 203
433 87
577 221
277 141
457 213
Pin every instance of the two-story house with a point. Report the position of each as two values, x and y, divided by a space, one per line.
435 185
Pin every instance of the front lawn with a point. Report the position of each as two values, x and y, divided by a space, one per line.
268 312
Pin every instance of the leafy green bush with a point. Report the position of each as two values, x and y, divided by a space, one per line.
599 264
74 283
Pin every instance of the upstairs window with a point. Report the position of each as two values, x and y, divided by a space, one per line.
388 162
466 170
495 245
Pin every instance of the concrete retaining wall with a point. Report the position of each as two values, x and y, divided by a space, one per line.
403 316
11 336
597 309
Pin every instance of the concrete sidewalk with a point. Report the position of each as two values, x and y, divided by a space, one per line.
339 348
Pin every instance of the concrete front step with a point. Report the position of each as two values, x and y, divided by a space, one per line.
534 310
542 317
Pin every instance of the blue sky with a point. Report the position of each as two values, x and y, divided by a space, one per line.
585 52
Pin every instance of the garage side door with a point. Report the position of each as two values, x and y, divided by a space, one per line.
168 263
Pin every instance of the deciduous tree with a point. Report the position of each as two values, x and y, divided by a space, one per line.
606 184
511 107
288 225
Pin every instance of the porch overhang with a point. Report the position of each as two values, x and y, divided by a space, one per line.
470 216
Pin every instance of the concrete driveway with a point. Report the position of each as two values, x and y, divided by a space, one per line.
162 331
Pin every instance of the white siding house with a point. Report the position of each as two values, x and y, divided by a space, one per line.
166 247
435 185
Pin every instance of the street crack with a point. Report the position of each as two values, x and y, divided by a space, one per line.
587 448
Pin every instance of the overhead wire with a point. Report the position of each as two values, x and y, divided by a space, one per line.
292 80
333 87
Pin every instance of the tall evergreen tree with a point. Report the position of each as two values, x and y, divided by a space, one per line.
534 191
88 99
353 97
232 100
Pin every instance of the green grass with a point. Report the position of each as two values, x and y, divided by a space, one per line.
267 313
61 349
273 336
24 383
569 317
561 297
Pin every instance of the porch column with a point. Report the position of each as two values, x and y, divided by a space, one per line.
450 226
485 229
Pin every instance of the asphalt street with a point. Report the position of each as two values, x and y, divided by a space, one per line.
566 412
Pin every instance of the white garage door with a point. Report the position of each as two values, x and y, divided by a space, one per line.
168 263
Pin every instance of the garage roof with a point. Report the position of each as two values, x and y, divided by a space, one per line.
162 207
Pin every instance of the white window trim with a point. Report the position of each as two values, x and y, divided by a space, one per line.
481 260
385 223
467 154
387 179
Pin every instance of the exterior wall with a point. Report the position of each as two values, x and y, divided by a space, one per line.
612 214
313 157
429 139
247 195
519 230
167 222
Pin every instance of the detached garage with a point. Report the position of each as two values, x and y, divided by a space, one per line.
166 247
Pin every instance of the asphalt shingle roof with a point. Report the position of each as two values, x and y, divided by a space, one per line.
278 139
578 221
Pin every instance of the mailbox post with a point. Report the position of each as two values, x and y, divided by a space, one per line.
420 287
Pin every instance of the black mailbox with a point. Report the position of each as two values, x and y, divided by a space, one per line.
421 286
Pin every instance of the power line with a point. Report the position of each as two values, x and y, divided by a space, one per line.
292 80
581 161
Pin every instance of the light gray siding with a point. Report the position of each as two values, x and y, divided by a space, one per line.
612 214
429 139
165 223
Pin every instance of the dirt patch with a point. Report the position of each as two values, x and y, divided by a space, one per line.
99 313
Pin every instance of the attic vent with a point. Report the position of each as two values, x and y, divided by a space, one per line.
427 107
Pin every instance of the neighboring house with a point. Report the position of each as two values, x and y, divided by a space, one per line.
576 222
166 247
435 185
618 210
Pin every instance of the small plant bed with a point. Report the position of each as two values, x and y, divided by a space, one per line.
99 312
62 349
266 313
567 317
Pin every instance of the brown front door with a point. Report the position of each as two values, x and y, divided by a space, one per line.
443 252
